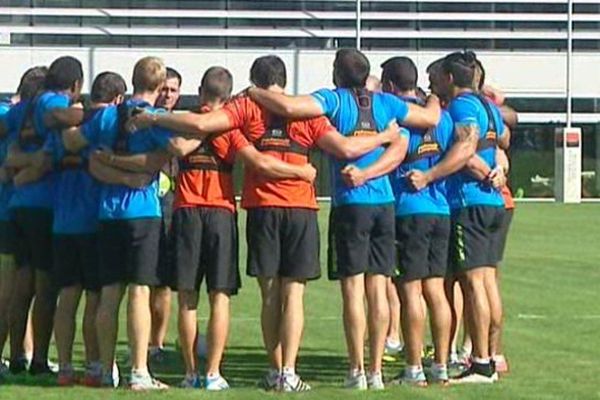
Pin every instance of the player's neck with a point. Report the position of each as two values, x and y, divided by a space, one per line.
276 89
458 91
407 93
148 97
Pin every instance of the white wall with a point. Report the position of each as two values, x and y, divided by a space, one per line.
518 73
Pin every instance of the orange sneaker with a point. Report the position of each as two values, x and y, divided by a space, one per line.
92 381
65 379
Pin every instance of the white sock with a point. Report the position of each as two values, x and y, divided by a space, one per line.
478 360
356 372
139 371
439 367
289 371
213 375
414 370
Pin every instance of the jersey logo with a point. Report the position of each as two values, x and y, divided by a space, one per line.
273 141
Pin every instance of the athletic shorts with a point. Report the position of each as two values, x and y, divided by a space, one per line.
422 243
506 221
283 242
206 247
129 251
476 238
33 238
76 261
166 270
361 241
7 237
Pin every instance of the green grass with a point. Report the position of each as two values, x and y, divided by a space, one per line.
551 287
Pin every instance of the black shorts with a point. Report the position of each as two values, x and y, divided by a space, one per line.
33 238
76 261
206 246
476 237
283 242
166 269
422 243
506 221
129 251
7 237
361 240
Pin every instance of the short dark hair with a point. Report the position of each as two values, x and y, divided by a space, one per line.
401 71
63 73
351 68
267 71
435 66
481 72
216 84
107 86
32 82
172 73
461 65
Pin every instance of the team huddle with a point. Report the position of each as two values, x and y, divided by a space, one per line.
114 196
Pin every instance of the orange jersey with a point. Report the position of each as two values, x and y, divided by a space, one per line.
509 203
205 178
288 141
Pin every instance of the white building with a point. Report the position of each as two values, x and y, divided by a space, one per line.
522 44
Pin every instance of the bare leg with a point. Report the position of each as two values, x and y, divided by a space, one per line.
7 283
433 290
413 321
270 319
90 338
378 319
44 306
477 308
160 302
24 289
107 323
496 315
188 328
353 294
218 330
138 325
394 304
292 321
65 325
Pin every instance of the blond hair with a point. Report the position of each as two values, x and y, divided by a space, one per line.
149 74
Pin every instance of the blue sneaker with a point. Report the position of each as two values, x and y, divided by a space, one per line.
191 382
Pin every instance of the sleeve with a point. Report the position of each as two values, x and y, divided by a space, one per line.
10 119
91 129
396 107
329 100
236 111
58 101
499 121
463 113
227 145
444 131
319 127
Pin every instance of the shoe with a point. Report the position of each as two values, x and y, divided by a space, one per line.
477 373
66 378
271 381
111 379
357 381
4 369
190 382
40 369
393 348
215 383
91 381
18 366
439 375
54 367
501 364
406 378
157 355
145 382
293 383
375 381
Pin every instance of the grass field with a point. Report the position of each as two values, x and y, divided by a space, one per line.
551 286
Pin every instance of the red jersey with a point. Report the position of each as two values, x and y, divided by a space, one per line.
288 141
205 175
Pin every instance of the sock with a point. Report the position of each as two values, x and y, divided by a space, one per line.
439 367
356 372
139 371
392 343
483 361
213 375
413 371
289 371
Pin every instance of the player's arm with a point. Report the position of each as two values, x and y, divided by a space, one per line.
64 117
389 160
305 106
509 116
74 140
110 175
15 158
344 147
139 163
504 139
423 117
272 168
198 125
41 164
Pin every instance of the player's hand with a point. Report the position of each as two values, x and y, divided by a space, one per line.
308 173
137 181
78 104
418 179
495 95
353 176
497 178
244 92
139 121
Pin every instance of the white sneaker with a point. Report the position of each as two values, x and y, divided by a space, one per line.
406 378
393 348
357 381
145 382
216 383
472 376
293 383
375 381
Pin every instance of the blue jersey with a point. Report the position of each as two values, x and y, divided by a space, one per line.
118 201
78 193
342 109
425 149
470 110
38 194
6 189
